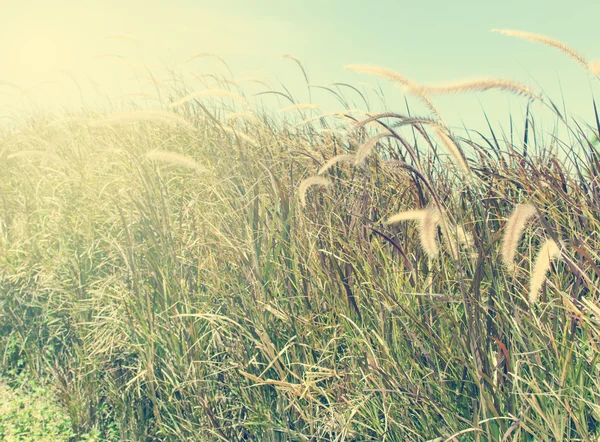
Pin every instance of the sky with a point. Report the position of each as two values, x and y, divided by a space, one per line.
67 53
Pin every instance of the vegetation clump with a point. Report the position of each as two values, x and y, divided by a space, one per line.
208 271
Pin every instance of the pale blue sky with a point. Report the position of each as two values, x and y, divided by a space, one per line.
433 41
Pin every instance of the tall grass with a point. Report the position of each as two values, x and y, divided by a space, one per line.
185 281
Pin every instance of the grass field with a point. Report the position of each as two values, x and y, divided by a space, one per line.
209 270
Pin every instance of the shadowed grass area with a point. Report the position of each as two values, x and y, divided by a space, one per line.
183 276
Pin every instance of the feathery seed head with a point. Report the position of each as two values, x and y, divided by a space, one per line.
175 159
514 230
367 148
407 215
482 85
428 228
333 161
548 251
454 151
308 182
546 41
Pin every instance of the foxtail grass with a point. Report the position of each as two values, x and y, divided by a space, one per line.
335 160
548 252
565 49
307 183
513 231
175 159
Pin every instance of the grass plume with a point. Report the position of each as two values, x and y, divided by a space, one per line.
548 42
336 159
548 252
455 152
175 159
407 215
366 149
482 85
307 183
428 219
428 231
514 230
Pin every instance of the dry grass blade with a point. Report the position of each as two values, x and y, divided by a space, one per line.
547 253
336 159
514 230
175 159
208 93
548 42
308 182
